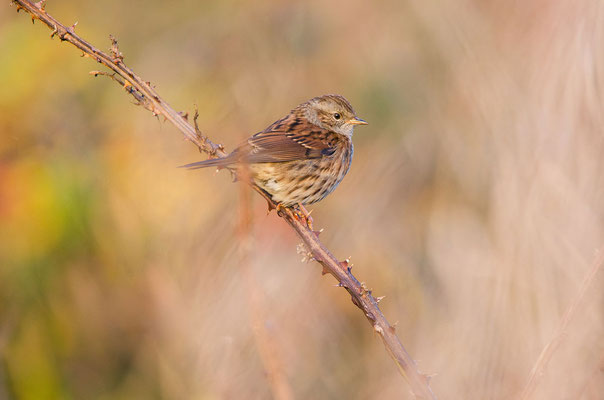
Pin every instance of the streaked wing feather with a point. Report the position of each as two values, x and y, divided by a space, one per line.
288 139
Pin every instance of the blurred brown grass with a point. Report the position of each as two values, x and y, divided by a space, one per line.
475 201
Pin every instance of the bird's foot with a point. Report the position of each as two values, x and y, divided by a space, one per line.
303 215
280 209
298 211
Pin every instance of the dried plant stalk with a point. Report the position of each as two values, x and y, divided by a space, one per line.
548 351
147 97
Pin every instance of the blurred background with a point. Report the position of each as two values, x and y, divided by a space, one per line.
475 201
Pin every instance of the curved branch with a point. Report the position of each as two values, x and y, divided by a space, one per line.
144 95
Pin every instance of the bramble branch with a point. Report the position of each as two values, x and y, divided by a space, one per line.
147 97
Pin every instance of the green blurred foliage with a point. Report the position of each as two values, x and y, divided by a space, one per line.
474 201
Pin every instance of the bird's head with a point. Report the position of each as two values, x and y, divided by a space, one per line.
332 112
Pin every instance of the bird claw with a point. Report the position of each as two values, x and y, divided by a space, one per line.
303 215
298 212
280 209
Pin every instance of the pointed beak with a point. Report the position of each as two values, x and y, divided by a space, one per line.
357 121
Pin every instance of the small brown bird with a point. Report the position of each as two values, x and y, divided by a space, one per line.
300 158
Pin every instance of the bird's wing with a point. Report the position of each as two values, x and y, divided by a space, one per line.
289 139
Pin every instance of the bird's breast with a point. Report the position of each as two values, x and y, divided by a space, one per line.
304 181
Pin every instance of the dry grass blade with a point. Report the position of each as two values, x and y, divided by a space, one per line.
548 351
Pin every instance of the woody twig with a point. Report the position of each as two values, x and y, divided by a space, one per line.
148 98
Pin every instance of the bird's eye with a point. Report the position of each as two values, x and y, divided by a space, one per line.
337 116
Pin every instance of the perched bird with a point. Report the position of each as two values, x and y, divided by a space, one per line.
300 158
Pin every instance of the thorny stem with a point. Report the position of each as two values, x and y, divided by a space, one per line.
147 97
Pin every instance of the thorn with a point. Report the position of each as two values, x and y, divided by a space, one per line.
71 29
324 271
378 299
392 327
347 264
338 285
54 32
185 115
317 233
41 5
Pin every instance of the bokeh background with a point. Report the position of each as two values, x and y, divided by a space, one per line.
475 201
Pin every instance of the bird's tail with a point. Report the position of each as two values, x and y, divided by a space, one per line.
212 162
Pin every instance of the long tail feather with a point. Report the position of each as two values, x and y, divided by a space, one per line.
213 162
